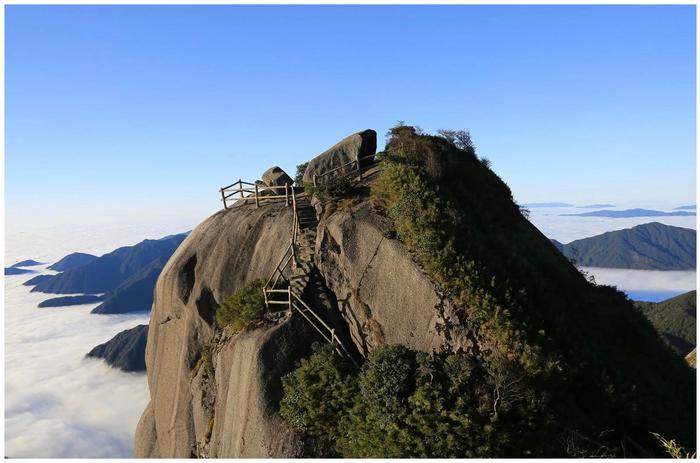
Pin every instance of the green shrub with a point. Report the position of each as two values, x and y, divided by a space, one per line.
403 403
318 392
299 177
244 308
206 352
582 353
332 188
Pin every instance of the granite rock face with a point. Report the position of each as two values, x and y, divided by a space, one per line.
226 250
232 411
349 149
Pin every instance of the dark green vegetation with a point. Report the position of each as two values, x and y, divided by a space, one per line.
206 353
244 308
404 403
588 369
299 176
333 188
651 246
126 350
674 319
71 300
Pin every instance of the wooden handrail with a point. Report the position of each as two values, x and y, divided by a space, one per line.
257 192
357 170
332 338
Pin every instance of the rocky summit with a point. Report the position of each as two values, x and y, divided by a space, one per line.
425 251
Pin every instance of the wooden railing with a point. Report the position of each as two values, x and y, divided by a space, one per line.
355 165
256 192
271 287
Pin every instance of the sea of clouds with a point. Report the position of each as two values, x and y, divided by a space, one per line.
57 402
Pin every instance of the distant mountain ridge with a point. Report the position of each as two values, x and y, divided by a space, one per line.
64 301
651 246
17 269
595 206
126 350
107 272
135 294
71 261
554 204
26 263
631 213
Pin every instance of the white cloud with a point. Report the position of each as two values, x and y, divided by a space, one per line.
644 280
566 229
57 403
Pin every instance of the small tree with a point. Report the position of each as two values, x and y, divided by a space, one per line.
299 177
244 308
462 139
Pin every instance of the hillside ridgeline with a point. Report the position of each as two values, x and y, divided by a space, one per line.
651 246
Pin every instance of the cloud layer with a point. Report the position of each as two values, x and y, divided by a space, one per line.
566 229
57 403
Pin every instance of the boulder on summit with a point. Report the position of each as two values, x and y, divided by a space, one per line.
275 176
355 146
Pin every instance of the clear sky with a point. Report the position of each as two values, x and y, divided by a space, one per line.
143 111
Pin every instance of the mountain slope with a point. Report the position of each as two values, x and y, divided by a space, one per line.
107 272
125 351
64 301
71 261
17 271
675 320
651 246
26 263
135 294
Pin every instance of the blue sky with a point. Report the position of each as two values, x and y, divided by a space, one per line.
140 111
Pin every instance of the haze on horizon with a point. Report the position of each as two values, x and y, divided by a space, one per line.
120 112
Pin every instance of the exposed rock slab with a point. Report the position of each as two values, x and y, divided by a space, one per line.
226 250
383 294
349 149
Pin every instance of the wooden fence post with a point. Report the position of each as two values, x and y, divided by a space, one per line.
359 169
223 197
286 194
240 187
314 179
257 201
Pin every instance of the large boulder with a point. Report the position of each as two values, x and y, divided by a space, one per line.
355 146
275 176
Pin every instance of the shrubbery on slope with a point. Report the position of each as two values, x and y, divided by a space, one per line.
596 378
